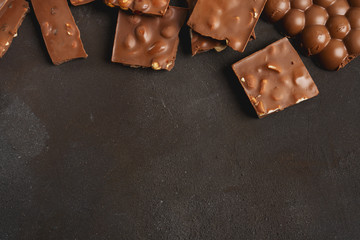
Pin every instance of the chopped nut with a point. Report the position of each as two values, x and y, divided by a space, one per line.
273 67
263 85
155 66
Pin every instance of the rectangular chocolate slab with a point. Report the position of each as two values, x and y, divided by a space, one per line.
14 12
330 30
60 33
275 78
151 7
148 41
230 20
80 2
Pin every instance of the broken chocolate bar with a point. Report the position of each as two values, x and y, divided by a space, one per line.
275 78
13 14
328 29
80 2
230 20
60 33
148 41
152 7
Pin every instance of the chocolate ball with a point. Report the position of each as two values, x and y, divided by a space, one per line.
352 42
354 3
353 16
333 55
276 9
324 3
315 38
301 4
316 15
340 7
294 22
338 26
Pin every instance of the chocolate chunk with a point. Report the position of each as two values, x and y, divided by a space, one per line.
60 33
152 7
230 20
13 14
148 41
275 78
80 2
329 29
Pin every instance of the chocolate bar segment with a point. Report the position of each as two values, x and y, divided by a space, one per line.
80 2
230 20
329 29
275 78
14 12
60 33
152 7
148 41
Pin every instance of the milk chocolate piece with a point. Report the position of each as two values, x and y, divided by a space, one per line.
152 7
329 29
13 14
275 78
230 20
148 41
60 33
80 2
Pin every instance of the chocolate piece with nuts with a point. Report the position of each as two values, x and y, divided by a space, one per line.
13 14
148 41
80 2
230 20
329 29
275 78
60 33
152 7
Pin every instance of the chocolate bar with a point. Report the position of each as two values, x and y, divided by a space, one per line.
229 20
275 78
148 41
60 33
152 7
80 2
328 29
13 14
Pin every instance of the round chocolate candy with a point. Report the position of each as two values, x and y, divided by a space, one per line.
316 15
324 3
294 22
338 26
353 16
301 4
352 42
340 7
276 9
333 55
315 38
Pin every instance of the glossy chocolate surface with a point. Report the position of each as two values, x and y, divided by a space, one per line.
14 12
152 7
59 30
148 41
80 2
230 20
329 29
275 78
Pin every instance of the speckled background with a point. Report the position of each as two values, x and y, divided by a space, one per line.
95 150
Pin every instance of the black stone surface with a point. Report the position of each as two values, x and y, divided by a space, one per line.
95 150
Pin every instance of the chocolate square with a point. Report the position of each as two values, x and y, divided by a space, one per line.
13 14
230 20
148 41
60 33
275 78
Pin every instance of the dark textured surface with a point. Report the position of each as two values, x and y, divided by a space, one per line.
95 150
